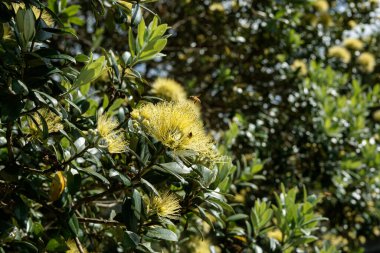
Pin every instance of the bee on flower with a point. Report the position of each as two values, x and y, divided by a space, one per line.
168 89
178 126
111 138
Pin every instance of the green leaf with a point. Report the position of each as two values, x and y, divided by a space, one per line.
159 31
82 58
26 245
154 23
131 239
95 174
141 33
19 87
57 244
29 25
90 72
150 186
37 229
74 225
239 216
120 177
131 42
73 181
162 234
176 167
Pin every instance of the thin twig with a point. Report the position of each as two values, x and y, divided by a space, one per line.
8 136
100 221
79 245
97 196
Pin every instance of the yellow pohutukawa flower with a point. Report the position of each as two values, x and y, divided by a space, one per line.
326 20
166 206
45 16
340 52
275 234
106 125
113 139
168 89
299 65
353 43
216 7
367 62
197 244
52 120
352 23
178 126
116 143
321 5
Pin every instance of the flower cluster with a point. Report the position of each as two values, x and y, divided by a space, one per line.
321 5
367 62
177 125
113 139
353 43
169 90
340 52
53 122
299 65
166 205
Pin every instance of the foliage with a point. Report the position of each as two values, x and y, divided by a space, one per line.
97 156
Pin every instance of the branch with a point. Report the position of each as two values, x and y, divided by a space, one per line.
8 136
79 245
97 196
100 221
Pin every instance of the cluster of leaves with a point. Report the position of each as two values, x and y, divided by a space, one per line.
78 171
316 125
59 182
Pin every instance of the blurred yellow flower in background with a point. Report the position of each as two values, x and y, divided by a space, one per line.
275 234
168 89
299 65
321 5
352 23
340 52
326 20
367 62
353 43
52 120
216 7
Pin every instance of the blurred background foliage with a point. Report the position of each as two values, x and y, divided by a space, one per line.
92 158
